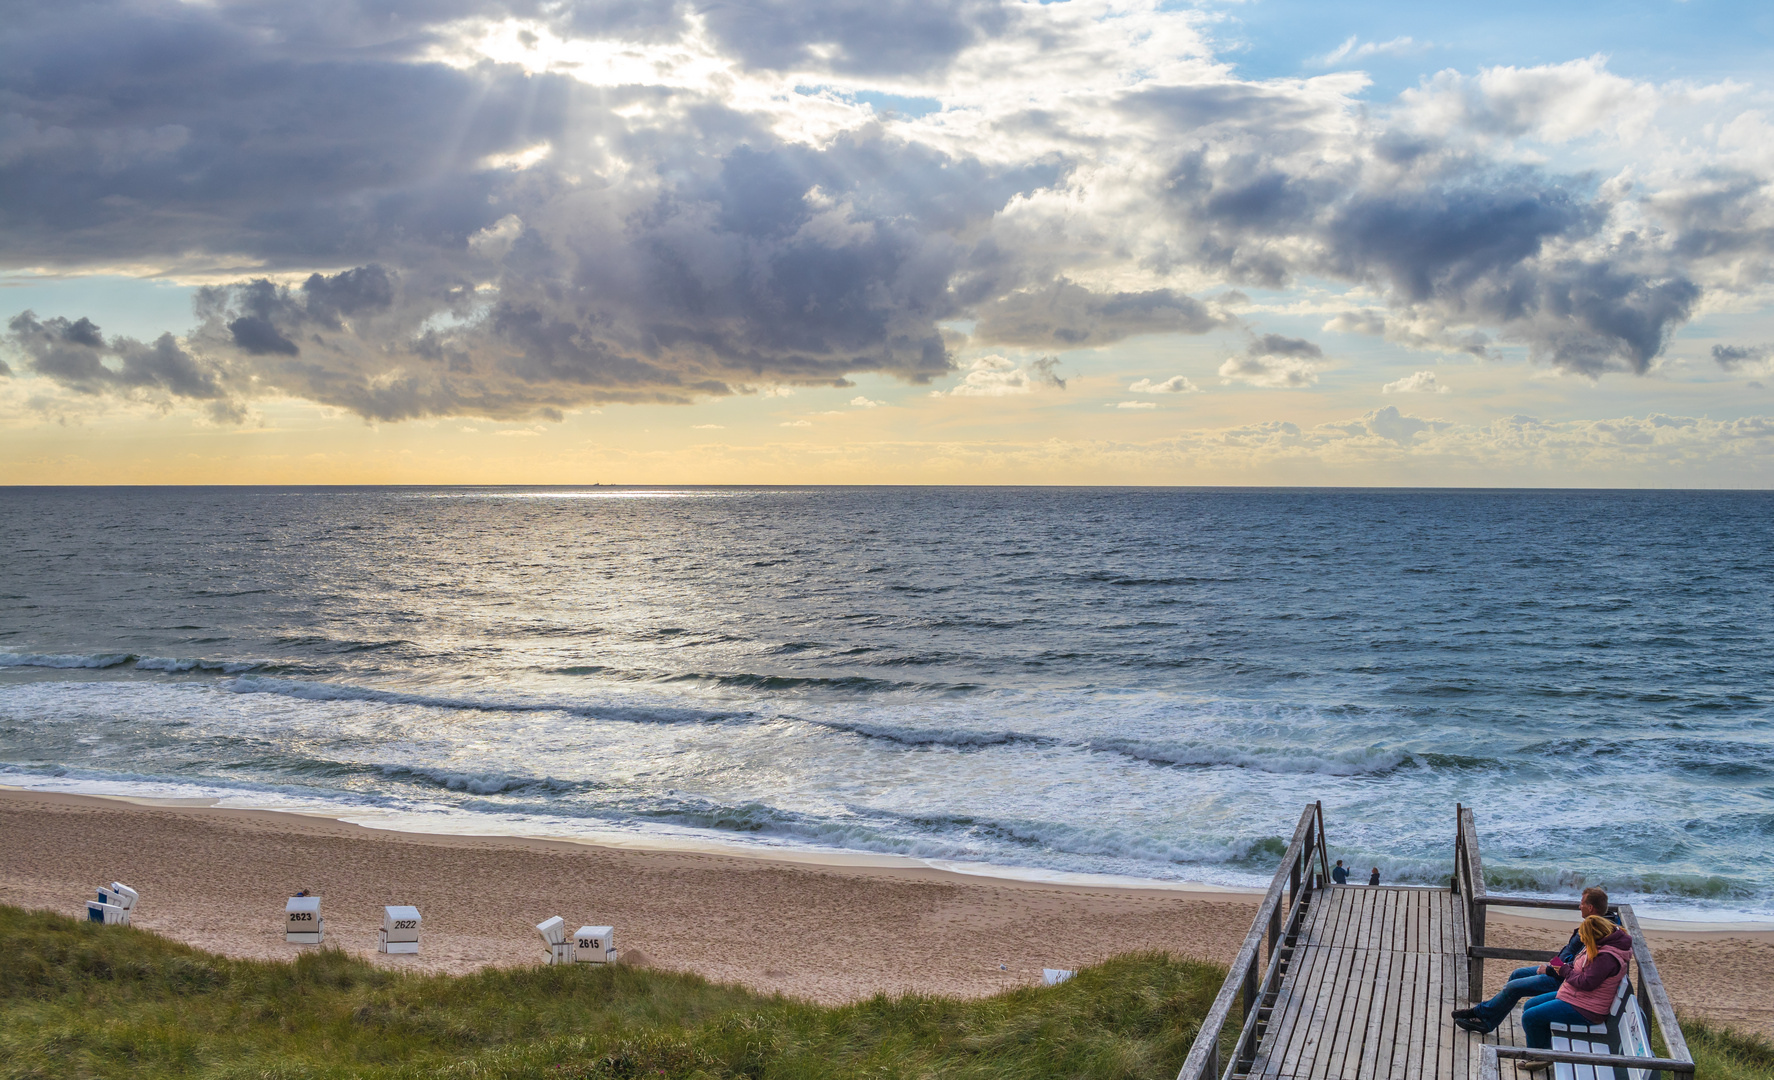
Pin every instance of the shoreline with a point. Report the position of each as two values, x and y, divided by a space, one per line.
835 858
827 931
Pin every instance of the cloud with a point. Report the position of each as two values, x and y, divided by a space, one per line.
1135 405
1422 382
1749 359
708 427
796 423
1275 361
995 376
1176 384
862 402
511 211
1353 48
77 355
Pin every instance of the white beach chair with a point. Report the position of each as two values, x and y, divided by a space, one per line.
554 938
110 914
594 945
1055 976
400 930
113 906
302 922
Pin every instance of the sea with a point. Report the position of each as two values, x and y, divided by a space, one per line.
1133 685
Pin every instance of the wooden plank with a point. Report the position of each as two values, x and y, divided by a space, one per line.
1329 978
1286 1016
1374 1036
1448 916
1421 1013
1434 1016
1352 1021
1373 985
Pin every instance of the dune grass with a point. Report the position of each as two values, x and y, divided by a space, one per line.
78 1000
1723 1054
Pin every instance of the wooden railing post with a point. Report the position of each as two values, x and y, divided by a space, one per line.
1475 899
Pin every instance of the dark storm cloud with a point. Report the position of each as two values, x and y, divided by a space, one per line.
1071 316
1733 357
75 354
663 244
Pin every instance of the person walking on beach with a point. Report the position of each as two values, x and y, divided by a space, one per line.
1586 987
1339 873
1532 982
1373 878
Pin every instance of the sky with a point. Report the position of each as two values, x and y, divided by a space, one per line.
887 241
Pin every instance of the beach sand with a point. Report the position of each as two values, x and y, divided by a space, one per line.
218 879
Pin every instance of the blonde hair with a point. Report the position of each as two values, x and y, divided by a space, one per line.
1594 929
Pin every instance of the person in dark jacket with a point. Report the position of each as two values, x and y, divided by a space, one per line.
1530 982
1374 877
1339 874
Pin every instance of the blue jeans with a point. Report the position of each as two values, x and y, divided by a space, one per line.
1538 1016
1525 982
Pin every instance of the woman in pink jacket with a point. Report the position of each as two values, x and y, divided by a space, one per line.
1591 980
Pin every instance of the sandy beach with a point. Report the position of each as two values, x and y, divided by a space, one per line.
217 879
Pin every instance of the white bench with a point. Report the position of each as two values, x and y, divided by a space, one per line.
1624 1032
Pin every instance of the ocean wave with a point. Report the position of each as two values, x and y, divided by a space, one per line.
1365 761
473 783
960 738
65 660
178 665
345 692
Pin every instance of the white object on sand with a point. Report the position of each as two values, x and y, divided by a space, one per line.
400 929
302 922
113 905
554 935
110 914
1055 976
594 945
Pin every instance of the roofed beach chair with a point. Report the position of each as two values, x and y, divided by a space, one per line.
114 904
400 930
302 924
554 939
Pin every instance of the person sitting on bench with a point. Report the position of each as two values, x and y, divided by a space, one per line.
1586 991
1527 982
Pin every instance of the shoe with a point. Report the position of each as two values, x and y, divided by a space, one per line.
1532 1064
1471 1023
1463 1014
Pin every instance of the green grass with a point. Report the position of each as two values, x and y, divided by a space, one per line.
1723 1054
78 1000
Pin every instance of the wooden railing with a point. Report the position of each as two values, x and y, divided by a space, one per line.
1280 915
1469 883
1490 1067
1469 886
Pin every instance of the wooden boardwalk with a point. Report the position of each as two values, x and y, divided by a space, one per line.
1373 974
1356 982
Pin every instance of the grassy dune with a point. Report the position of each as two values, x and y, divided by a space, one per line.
78 1000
